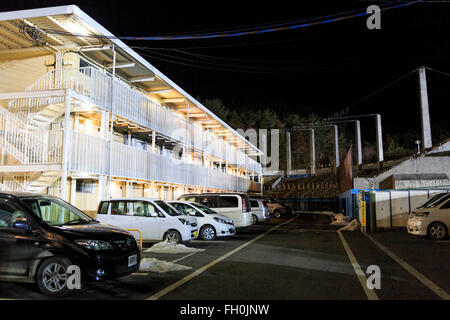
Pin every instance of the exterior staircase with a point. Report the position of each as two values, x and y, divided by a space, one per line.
25 135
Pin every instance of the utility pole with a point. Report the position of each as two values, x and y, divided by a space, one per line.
379 136
424 111
358 144
312 152
336 147
288 154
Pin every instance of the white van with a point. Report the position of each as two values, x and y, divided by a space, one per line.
235 206
431 219
156 219
260 210
210 223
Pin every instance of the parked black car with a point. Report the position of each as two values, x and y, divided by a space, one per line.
40 236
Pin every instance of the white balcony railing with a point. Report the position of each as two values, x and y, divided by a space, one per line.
135 106
89 154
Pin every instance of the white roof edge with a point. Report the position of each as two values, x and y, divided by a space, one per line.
73 9
39 12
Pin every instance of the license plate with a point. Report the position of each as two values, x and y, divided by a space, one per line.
132 260
195 233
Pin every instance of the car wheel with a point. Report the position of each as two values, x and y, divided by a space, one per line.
277 214
437 231
51 277
208 233
254 219
172 236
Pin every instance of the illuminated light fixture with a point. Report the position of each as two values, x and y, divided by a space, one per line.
85 49
171 100
70 27
212 125
142 79
197 115
160 91
88 126
122 65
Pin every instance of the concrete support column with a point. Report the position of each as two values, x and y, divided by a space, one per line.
288 154
358 143
129 189
312 152
73 192
102 182
66 147
336 147
379 135
424 111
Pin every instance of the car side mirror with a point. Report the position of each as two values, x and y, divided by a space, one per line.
192 213
22 224
153 214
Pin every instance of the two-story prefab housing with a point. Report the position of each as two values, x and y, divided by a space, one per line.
83 117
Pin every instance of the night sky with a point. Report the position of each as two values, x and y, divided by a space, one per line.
318 69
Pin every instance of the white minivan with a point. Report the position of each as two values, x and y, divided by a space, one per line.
156 219
210 223
235 206
432 218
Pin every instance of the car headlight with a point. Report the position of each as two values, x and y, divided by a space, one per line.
94 244
220 220
183 221
421 214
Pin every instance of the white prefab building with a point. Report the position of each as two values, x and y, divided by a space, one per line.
83 116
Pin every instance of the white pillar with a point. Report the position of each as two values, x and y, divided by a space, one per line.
66 147
73 192
101 187
153 141
424 111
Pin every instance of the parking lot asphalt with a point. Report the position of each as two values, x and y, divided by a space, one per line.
299 258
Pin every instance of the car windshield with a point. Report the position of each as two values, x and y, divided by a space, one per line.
168 208
204 208
55 212
435 200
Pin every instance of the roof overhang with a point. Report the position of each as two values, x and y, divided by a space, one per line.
134 69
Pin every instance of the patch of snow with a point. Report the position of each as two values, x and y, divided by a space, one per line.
160 266
352 226
339 219
170 247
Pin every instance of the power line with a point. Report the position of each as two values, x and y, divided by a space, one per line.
232 33
215 68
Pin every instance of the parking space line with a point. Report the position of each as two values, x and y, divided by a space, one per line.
140 274
184 257
207 241
427 282
197 272
370 293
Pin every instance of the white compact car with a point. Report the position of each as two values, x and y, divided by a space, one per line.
210 223
156 219
260 210
431 219
235 206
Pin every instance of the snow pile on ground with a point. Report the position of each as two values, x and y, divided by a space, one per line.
171 247
352 226
160 266
339 219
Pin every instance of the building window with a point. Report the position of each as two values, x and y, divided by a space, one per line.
86 186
